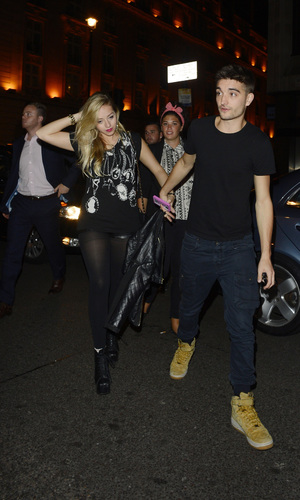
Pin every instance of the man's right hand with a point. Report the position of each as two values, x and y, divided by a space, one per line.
169 199
5 215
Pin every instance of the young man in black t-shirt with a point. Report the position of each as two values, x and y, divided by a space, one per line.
230 156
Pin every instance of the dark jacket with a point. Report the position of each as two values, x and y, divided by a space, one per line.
143 265
55 164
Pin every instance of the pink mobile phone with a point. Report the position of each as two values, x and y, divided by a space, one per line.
159 201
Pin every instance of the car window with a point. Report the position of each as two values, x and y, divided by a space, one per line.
294 201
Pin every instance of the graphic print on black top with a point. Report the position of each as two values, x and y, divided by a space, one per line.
118 181
109 202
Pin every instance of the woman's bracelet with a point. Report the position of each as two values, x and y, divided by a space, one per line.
72 118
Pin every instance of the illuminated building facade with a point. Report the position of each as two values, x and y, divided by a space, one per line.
48 53
284 80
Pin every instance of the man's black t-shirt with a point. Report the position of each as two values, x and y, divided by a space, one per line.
224 173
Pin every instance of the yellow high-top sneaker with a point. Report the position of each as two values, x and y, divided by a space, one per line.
182 357
245 419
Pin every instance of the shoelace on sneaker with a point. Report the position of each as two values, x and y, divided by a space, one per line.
250 415
181 356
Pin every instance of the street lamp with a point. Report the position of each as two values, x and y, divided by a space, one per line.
91 22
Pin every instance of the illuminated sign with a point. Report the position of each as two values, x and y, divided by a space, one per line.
185 96
182 72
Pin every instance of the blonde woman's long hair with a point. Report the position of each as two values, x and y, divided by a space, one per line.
91 147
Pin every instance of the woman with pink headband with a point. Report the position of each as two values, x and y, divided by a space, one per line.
167 152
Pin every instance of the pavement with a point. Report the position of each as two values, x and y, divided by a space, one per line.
151 437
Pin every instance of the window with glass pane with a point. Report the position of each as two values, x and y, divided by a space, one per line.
109 21
34 38
74 8
140 70
142 36
74 50
32 76
108 60
73 86
139 99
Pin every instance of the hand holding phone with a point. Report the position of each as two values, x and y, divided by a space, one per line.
264 279
159 201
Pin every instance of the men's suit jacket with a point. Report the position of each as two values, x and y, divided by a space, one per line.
55 163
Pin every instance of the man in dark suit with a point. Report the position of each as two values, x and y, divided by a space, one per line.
38 177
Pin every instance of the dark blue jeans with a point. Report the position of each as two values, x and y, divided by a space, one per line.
43 214
233 264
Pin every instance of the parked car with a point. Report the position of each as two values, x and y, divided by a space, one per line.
279 313
69 213
35 251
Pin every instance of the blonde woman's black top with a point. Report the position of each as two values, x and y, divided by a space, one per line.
109 203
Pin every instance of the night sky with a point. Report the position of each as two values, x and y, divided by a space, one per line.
260 23
253 11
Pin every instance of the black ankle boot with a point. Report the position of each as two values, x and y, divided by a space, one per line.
112 348
102 375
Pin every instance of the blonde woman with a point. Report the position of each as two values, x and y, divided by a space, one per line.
109 213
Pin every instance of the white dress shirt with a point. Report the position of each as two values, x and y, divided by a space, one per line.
32 177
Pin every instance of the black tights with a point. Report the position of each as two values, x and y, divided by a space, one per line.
103 255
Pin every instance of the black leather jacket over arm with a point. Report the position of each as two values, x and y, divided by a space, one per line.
143 265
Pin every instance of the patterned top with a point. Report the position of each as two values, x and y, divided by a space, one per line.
183 191
109 203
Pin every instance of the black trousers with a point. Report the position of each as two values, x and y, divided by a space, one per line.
26 213
103 255
174 234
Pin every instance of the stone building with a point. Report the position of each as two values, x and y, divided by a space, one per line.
49 53
284 80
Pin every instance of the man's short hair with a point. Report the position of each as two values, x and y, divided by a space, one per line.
41 109
153 123
238 73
